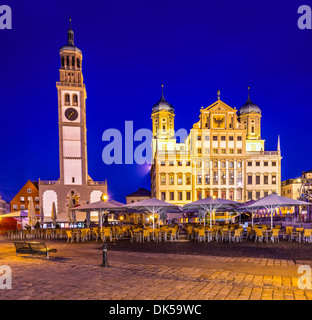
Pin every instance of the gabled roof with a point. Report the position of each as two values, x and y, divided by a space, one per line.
141 192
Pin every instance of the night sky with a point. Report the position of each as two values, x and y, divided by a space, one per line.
132 47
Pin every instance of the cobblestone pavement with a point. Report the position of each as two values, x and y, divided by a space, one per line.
74 272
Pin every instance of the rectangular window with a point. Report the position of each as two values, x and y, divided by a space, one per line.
199 195
171 179
265 180
266 164
231 177
207 151
223 138
207 138
239 164
36 207
188 195
273 179
188 163
171 196
28 190
180 196
37 199
231 138
199 178
179 163
239 194
215 177
15 207
163 196
223 151
266 193
257 179
223 178
239 138
215 138
249 180
239 151
258 195
258 164
163 163
215 151
22 207
199 138
249 195
188 179
199 151
171 164
223 194
207 178
163 179
180 179
231 151
249 164
274 164
22 199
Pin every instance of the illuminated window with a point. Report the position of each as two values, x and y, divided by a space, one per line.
171 179
239 151
231 177
162 178
223 178
215 177
215 151
188 179
207 178
199 178
180 179
273 179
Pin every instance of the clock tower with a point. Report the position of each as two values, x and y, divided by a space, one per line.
72 115
74 182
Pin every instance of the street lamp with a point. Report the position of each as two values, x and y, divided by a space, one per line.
104 197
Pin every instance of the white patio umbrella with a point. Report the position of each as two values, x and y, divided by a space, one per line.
211 205
245 207
274 202
53 213
32 218
153 206
100 207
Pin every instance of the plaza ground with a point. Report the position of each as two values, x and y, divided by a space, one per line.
149 272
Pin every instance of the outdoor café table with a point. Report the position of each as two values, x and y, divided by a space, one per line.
298 233
267 233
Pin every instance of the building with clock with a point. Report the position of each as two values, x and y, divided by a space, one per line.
223 155
74 182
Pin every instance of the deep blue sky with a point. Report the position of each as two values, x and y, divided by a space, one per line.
132 47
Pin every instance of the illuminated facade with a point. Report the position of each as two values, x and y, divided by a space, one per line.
74 181
222 156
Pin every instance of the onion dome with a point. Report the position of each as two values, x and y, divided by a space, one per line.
162 104
249 106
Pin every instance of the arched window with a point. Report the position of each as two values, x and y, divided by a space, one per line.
67 99
63 62
73 62
75 100
78 63
67 61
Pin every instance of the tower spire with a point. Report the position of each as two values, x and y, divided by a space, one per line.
279 144
70 34
162 93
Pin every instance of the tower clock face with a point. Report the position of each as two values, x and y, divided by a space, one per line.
71 114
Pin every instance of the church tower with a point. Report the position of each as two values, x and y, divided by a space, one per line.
250 116
72 115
